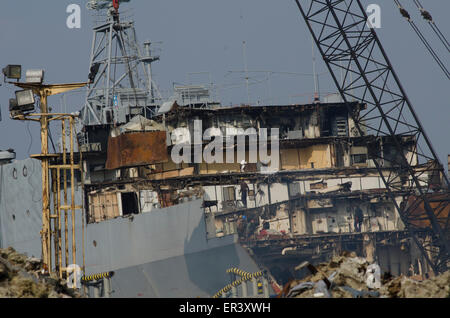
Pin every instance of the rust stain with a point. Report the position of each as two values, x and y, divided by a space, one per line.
440 203
136 149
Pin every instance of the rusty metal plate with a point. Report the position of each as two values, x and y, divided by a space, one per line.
440 203
136 149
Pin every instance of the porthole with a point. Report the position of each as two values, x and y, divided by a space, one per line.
13 217
14 173
94 243
25 171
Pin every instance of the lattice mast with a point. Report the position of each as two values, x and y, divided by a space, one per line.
120 73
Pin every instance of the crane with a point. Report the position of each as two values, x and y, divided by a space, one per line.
348 44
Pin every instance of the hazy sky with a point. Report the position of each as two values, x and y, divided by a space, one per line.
207 36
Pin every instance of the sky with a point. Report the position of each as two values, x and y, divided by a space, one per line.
206 36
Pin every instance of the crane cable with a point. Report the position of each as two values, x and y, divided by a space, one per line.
427 17
406 15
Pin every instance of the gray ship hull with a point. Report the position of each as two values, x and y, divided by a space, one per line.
162 253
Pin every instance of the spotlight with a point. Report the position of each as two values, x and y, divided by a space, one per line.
35 76
13 71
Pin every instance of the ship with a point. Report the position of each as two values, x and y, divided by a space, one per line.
164 197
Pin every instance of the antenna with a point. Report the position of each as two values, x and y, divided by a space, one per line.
148 60
315 76
246 70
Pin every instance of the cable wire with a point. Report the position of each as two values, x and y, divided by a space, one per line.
427 17
406 15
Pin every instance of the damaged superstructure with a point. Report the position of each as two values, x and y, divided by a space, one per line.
324 196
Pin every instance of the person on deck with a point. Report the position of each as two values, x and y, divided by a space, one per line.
244 191
358 219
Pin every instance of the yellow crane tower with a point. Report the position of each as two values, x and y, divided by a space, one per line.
51 174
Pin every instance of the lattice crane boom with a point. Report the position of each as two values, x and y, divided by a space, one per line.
348 45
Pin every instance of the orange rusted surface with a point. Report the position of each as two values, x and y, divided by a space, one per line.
440 203
136 149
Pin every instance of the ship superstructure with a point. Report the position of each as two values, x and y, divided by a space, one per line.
176 191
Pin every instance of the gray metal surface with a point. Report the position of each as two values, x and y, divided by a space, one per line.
162 253
149 237
199 274
21 206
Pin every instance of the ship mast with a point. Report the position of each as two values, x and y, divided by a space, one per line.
120 73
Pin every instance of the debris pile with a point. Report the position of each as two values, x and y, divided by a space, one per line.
21 277
349 276
404 287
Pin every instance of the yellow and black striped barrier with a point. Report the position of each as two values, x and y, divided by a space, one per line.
93 277
260 288
228 287
245 276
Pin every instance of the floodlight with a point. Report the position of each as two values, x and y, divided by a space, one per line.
25 97
35 76
13 71
12 104
15 109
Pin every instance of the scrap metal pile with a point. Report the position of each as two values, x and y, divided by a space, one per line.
21 277
349 276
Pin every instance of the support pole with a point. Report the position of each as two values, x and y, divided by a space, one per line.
66 225
244 289
55 218
46 231
266 287
72 190
106 287
234 293
58 196
96 291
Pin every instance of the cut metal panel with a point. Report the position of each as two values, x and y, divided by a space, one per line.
370 183
136 149
278 192
319 223
299 222
149 200
103 206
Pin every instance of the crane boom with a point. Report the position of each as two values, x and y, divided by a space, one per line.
348 44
